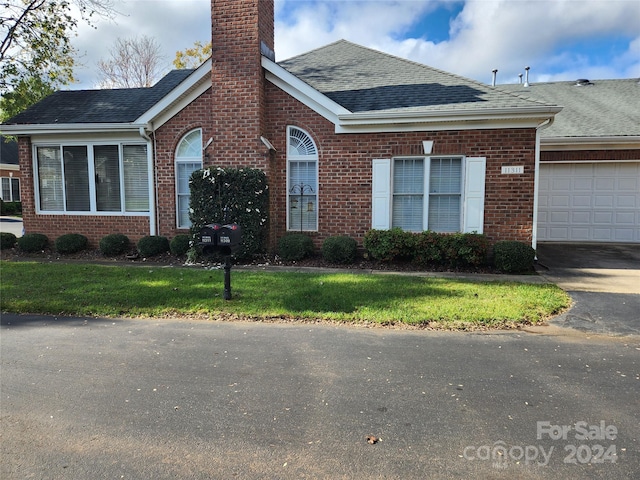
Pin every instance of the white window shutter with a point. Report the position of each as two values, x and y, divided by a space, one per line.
475 168
381 194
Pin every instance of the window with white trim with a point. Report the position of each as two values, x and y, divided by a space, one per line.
93 178
302 181
188 160
429 193
10 189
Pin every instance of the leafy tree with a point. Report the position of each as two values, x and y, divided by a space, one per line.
133 62
25 93
35 38
192 57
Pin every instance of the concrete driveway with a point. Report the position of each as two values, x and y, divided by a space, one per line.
603 281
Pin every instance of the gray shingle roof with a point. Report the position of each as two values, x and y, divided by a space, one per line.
365 80
603 108
98 106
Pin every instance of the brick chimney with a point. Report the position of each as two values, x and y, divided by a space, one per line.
238 28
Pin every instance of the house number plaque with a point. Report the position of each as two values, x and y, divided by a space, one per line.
515 169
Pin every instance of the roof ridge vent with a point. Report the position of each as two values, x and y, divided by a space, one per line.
582 82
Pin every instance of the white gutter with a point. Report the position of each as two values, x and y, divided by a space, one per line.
536 183
41 129
151 181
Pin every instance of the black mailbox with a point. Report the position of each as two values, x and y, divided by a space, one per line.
229 238
209 238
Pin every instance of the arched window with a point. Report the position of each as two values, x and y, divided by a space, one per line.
188 159
302 181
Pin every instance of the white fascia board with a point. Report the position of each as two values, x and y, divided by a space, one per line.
182 95
302 92
70 128
630 142
440 122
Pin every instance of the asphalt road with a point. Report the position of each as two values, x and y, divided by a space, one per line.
148 399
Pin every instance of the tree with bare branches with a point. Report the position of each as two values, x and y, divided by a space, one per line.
133 62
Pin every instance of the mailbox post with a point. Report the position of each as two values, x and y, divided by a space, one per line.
225 239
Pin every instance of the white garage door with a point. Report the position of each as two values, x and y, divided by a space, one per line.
591 202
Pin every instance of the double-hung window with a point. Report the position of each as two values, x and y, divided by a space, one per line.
442 194
95 178
302 181
188 160
10 189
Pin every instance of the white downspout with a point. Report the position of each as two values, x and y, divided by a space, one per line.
151 180
536 182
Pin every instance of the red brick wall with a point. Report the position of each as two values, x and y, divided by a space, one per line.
344 201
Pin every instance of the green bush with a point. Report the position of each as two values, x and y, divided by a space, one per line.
295 246
71 243
428 248
10 208
465 249
180 244
33 242
339 249
7 240
390 245
513 257
114 244
228 195
153 245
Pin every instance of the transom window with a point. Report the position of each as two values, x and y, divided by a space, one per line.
188 160
92 178
302 181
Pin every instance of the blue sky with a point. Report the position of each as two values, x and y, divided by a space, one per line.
558 39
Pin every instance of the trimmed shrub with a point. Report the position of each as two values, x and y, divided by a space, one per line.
180 244
10 208
389 245
339 249
114 244
71 243
33 242
295 246
7 240
513 257
465 249
428 248
228 195
153 245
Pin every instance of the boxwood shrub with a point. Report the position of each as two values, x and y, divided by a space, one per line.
7 240
390 245
513 257
180 244
339 249
295 246
33 242
152 245
114 244
71 243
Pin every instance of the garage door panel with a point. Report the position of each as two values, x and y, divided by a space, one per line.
589 202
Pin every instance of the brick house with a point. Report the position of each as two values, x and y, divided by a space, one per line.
350 139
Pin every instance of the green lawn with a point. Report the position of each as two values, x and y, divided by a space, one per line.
98 290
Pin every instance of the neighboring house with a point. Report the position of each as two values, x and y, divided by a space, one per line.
590 161
9 170
350 139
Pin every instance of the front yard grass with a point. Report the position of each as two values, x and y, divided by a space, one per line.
150 291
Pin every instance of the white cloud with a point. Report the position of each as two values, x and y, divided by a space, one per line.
549 35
